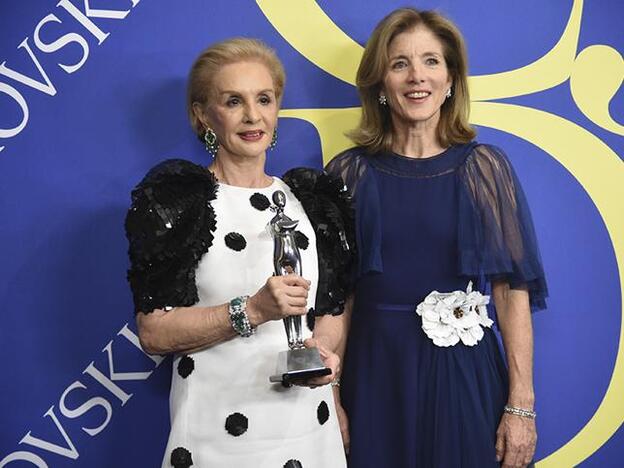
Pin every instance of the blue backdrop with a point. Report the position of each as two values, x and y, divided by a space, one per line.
92 95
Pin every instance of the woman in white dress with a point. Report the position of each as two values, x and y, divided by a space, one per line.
201 275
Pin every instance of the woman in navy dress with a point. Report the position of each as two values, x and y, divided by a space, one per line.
435 212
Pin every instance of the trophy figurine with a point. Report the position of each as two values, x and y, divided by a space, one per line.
298 363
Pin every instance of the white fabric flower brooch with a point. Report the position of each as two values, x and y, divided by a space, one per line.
448 318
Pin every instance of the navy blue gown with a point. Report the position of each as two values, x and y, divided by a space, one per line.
423 225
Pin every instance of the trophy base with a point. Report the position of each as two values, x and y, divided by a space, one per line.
299 365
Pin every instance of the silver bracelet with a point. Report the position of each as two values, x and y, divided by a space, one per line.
238 316
524 413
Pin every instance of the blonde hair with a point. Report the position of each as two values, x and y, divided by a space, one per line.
205 67
375 129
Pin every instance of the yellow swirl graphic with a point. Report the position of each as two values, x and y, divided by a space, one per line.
331 125
307 28
595 76
547 72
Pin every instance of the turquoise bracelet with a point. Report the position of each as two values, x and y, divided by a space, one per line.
238 316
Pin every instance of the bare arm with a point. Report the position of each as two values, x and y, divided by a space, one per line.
516 435
330 336
331 332
189 329
184 329
514 320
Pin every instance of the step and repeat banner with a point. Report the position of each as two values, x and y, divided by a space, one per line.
92 95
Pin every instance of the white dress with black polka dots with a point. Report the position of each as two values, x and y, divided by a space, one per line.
224 411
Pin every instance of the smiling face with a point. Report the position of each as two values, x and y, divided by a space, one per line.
417 79
242 109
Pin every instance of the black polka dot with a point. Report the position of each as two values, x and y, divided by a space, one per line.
236 424
292 463
181 458
186 365
310 319
259 201
322 413
301 240
235 241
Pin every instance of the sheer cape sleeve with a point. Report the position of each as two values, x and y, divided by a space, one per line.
328 207
353 168
495 234
496 237
169 227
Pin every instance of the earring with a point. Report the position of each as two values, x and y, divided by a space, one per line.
448 93
273 143
382 99
210 142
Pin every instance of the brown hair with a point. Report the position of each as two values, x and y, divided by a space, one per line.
237 49
375 128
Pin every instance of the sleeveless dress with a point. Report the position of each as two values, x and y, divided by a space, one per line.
424 225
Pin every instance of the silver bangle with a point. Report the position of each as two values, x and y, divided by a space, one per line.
523 413
238 316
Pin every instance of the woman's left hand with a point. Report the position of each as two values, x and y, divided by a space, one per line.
330 359
515 441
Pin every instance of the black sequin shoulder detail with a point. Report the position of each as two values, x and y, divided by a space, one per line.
169 227
328 206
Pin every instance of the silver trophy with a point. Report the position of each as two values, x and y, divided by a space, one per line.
298 363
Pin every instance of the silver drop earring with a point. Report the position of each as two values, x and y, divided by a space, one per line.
382 99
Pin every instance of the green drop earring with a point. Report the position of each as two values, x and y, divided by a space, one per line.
273 143
210 142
